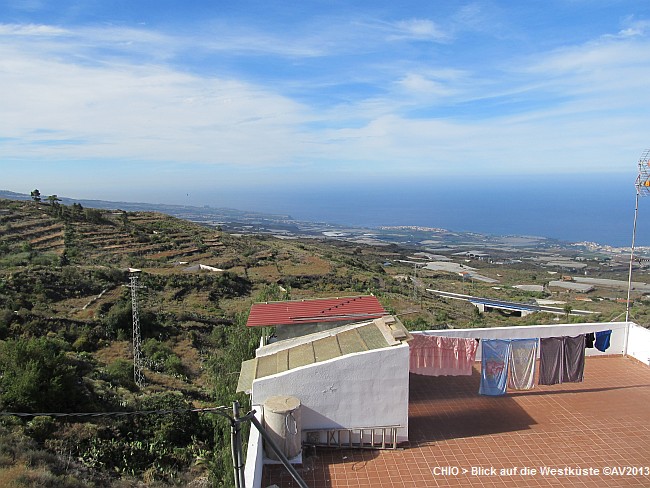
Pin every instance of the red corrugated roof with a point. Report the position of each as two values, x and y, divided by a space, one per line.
365 307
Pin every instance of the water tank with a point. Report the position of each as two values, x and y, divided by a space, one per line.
283 423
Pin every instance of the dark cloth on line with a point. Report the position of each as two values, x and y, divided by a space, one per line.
574 359
551 351
603 339
562 360
589 340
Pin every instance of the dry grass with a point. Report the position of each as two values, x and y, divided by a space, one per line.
264 273
10 475
189 357
116 350
159 382
308 266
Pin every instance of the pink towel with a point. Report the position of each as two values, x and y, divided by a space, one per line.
438 355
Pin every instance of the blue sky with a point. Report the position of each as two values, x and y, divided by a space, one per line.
152 100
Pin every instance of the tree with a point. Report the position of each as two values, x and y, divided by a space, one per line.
76 211
36 195
53 199
93 215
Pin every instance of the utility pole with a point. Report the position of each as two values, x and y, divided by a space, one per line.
415 281
138 374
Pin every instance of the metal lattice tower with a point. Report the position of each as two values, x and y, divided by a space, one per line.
138 374
643 180
642 185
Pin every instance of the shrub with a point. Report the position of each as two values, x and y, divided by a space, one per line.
120 373
40 428
37 376
118 318
174 365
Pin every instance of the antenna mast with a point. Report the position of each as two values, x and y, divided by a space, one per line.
642 185
138 374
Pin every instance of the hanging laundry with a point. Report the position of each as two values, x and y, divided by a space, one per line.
562 360
589 340
551 351
438 355
603 339
523 357
574 359
494 366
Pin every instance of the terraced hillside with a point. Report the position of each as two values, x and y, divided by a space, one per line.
37 230
104 237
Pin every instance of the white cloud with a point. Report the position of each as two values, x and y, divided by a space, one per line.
138 112
634 28
429 86
31 30
421 29
116 93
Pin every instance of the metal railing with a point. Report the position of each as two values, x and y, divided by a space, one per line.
382 437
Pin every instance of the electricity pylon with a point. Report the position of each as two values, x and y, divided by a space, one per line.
138 373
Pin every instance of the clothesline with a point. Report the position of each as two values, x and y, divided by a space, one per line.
505 362
526 331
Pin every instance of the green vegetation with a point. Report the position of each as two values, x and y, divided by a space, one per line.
38 377
66 329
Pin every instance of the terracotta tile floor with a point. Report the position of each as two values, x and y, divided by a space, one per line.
601 423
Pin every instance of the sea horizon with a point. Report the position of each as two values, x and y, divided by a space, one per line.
570 208
596 209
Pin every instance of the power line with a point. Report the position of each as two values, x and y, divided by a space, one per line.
235 426
116 414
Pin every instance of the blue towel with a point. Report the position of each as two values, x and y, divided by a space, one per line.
602 340
494 366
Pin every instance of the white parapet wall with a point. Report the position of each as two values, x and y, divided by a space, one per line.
638 343
364 389
254 454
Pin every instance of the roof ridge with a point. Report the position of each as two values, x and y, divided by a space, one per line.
340 304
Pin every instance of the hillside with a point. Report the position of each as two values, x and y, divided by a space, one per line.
65 331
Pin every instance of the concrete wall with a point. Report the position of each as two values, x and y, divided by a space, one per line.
638 344
365 389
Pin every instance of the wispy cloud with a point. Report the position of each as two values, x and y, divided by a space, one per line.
420 29
138 112
634 27
31 30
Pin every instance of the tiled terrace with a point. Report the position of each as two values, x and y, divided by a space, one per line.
600 423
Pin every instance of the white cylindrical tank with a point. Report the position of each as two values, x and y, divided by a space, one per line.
283 423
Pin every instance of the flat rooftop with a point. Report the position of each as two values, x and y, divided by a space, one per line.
459 438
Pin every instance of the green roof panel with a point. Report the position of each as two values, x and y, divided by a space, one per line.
326 348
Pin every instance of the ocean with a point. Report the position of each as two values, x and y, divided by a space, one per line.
595 208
